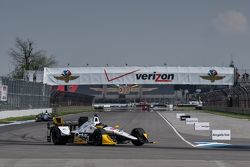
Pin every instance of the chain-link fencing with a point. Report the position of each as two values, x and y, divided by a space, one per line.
238 97
24 95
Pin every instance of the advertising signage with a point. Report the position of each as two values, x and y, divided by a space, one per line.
139 75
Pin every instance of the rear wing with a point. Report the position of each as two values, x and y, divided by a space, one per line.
58 121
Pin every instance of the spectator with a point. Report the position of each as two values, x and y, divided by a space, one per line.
34 77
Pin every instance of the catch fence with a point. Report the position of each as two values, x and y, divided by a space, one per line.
24 95
238 97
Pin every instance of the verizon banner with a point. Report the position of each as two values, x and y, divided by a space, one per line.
139 75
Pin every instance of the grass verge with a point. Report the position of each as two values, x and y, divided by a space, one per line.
13 119
185 108
60 112
226 114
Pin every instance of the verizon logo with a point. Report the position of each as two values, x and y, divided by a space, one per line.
156 77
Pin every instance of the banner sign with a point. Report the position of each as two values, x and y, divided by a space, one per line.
3 92
184 117
178 115
202 126
139 75
191 121
221 134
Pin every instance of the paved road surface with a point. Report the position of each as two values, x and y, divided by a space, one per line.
25 145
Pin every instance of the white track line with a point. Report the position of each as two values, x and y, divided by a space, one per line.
182 138
17 123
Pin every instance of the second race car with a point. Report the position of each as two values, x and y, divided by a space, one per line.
43 117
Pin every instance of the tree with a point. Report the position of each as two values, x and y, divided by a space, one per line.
24 57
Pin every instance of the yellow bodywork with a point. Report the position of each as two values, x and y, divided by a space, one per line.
106 140
99 126
79 140
58 121
117 126
146 135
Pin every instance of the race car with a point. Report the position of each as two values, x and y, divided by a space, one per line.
92 131
43 117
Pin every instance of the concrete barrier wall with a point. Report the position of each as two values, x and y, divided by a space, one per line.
236 110
19 113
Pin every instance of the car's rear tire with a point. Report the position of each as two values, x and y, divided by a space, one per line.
57 138
97 137
139 134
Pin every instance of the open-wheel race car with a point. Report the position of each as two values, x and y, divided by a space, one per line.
92 131
43 117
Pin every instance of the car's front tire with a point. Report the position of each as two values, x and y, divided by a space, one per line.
97 137
139 134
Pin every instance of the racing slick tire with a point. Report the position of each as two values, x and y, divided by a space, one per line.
97 136
82 120
38 118
139 134
57 138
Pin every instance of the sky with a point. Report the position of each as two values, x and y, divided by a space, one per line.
133 32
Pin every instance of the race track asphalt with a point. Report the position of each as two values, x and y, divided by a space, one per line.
25 145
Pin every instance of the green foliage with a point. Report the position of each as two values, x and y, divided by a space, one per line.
228 114
13 119
61 112
24 57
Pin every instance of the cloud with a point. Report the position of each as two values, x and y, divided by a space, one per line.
231 22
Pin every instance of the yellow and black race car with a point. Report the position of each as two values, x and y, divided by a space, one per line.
91 131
